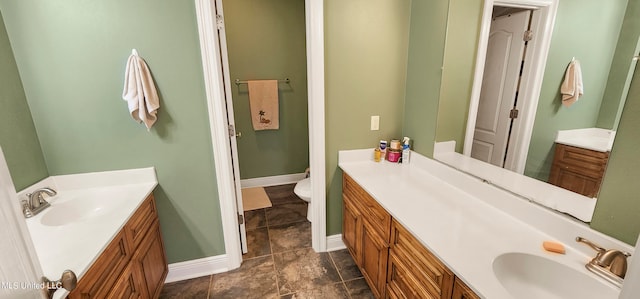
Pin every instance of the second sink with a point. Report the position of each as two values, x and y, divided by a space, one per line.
530 276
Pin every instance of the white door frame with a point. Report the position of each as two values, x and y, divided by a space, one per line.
214 87
535 61
233 141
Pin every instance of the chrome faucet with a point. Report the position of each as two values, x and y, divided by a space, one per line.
35 202
609 264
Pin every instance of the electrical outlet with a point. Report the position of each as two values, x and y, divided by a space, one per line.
375 123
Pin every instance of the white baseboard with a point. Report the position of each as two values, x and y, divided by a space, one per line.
197 268
272 180
334 242
218 264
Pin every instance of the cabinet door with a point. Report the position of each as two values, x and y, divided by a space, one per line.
351 228
568 178
129 285
578 170
462 291
152 262
104 272
375 253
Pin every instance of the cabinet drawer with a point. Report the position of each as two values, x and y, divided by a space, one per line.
104 272
462 291
434 276
137 227
575 157
376 214
401 283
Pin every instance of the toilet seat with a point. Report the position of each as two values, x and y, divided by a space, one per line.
303 189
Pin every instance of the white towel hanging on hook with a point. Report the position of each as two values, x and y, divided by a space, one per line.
140 91
572 87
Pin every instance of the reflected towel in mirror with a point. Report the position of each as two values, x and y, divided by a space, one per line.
572 88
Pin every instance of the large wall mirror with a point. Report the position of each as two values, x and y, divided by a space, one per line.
509 110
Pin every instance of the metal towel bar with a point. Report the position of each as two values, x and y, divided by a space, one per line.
238 81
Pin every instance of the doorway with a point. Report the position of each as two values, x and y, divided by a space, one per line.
263 42
511 151
216 84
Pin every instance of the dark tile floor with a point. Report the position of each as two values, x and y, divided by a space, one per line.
280 262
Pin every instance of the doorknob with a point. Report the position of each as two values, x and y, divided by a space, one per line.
68 281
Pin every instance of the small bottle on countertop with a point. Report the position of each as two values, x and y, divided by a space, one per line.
383 149
376 155
406 150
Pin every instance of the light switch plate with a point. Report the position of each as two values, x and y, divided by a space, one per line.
375 123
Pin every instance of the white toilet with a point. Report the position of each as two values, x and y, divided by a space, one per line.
303 190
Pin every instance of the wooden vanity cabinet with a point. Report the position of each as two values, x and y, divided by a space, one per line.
393 262
578 170
133 265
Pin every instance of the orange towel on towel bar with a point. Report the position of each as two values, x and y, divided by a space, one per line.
263 103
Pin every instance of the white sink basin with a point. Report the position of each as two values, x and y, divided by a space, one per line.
530 276
71 209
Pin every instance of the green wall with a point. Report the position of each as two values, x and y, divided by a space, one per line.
365 67
593 43
72 54
627 47
424 73
18 137
266 40
459 66
617 211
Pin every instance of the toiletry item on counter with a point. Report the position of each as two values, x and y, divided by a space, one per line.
376 155
383 149
394 155
406 150
395 144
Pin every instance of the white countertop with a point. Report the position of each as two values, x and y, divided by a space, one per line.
76 245
596 139
467 223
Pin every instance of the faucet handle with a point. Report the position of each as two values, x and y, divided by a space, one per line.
595 246
26 209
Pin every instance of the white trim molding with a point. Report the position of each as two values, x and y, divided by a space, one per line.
214 87
314 15
535 62
334 242
272 180
197 268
